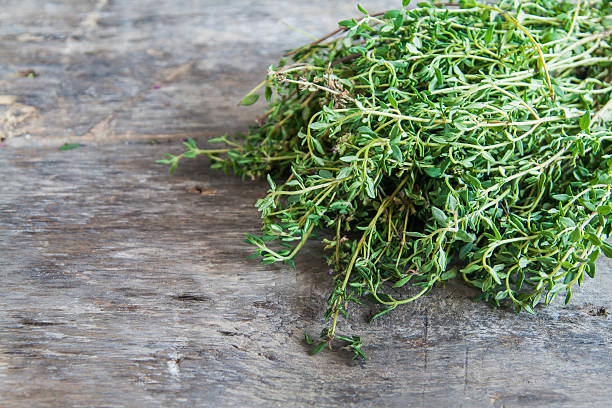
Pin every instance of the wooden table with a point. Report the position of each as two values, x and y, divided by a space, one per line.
124 287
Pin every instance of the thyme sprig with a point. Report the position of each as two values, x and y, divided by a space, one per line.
471 141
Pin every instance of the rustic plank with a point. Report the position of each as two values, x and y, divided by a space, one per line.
117 70
124 287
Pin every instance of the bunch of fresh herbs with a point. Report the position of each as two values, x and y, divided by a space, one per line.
469 140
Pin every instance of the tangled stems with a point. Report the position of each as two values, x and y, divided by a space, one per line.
432 143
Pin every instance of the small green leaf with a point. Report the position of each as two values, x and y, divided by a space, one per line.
391 14
318 125
249 99
585 121
450 274
344 172
439 215
326 174
473 181
471 268
392 100
349 158
606 249
397 153
271 182
567 222
562 197
528 309
501 295
402 281
347 23
594 239
381 313
369 185
412 49
318 348
439 76
451 202
576 235
433 171
465 237
488 36
69 146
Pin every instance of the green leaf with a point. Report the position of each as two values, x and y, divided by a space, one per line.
326 174
494 274
594 239
585 121
464 236
347 23
344 172
402 281
318 125
362 9
439 216
349 158
318 348
439 76
190 143
369 186
397 153
391 14
606 249
271 182
381 313
412 48
471 268
562 197
568 296
576 235
501 295
528 309
432 171
69 146
450 274
451 202
442 259
488 36
317 145
392 100
473 181
249 99
590 269
567 222
398 22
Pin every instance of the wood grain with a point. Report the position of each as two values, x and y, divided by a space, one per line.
125 287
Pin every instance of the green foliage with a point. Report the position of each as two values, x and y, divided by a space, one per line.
472 141
69 146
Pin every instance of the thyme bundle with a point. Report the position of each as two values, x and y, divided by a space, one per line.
471 140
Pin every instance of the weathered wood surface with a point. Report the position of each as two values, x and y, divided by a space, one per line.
121 287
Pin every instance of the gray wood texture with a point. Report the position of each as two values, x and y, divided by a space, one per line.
121 286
